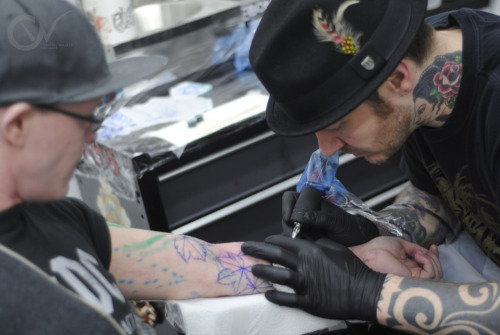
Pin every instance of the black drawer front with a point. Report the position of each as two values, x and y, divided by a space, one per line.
263 218
219 182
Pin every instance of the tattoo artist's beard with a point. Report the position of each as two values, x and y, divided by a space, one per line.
390 138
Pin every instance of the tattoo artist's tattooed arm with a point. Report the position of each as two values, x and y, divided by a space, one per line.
427 307
427 219
154 265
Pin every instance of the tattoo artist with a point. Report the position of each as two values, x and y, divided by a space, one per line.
371 78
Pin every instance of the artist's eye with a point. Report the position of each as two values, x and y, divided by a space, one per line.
335 129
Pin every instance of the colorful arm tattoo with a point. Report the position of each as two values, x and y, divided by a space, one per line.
167 262
426 307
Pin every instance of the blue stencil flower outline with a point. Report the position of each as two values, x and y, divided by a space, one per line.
189 248
238 275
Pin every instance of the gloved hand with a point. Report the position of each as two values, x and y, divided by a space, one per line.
328 279
329 221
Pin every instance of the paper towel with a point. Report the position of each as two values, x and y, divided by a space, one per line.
464 262
243 315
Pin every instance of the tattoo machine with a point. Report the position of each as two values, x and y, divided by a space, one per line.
320 174
309 199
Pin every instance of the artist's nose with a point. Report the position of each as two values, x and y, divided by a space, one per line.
329 142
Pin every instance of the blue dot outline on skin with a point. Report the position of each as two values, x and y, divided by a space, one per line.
116 249
130 282
164 269
127 255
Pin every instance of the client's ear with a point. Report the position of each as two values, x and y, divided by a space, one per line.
13 120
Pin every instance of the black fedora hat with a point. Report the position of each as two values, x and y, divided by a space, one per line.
320 59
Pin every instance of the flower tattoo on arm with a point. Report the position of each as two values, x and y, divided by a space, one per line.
232 268
156 264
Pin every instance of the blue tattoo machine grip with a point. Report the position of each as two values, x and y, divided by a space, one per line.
320 174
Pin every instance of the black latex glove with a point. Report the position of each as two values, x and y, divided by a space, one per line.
329 221
329 280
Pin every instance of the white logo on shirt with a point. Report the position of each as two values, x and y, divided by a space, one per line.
86 280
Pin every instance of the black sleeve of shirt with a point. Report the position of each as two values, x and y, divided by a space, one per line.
413 168
98 229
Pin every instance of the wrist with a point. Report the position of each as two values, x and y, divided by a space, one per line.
374 295
390 287
357 250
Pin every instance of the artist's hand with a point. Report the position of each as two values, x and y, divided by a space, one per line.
330 221
328 279
393 255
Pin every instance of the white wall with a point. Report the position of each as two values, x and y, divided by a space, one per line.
494 7
74 190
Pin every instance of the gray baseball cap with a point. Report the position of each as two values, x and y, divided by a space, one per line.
50 53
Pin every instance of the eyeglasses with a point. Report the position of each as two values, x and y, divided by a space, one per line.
95 120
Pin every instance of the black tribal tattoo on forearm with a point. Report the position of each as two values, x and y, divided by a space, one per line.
426 307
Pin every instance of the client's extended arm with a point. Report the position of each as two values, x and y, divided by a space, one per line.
154 265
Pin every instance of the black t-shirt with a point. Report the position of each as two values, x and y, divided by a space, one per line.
71 243
461 160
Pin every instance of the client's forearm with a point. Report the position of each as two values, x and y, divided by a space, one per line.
155 265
